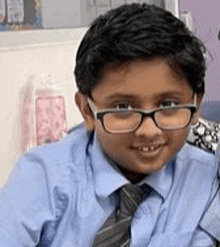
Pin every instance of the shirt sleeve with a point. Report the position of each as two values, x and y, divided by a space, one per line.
25 204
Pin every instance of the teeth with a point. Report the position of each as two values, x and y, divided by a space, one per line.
146 149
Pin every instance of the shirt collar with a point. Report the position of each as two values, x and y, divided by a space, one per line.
108 178
161 181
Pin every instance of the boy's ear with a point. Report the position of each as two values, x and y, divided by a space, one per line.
196 115
85 110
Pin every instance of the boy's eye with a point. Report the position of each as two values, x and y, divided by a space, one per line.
168 103
123 106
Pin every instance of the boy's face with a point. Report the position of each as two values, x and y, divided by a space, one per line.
143 85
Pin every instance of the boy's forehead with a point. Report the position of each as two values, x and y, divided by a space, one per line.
141 78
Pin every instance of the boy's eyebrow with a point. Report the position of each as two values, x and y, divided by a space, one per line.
172 94
119 95
135 97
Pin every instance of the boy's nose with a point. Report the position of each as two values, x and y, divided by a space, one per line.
148 128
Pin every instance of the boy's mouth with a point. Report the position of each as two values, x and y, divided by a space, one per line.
150 148
149 151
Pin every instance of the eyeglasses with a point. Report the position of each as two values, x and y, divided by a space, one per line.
126 121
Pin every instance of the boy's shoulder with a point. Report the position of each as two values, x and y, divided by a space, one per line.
196 155
64 150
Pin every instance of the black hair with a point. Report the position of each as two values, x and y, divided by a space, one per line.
139 31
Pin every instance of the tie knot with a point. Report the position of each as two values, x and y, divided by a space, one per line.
116 229
130 197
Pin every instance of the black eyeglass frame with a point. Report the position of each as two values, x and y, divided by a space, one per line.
99 115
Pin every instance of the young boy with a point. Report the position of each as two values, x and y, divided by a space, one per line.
140 75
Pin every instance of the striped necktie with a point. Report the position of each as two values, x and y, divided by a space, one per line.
116 230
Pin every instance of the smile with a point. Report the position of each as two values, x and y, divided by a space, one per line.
147 149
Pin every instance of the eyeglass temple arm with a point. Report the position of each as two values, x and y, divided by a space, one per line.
92 106
195 99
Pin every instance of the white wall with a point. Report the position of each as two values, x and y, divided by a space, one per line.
26 55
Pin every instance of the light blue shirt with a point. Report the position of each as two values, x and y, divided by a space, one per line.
211 219
59 195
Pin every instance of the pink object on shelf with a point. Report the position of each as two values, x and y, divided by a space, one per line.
50 118
27 118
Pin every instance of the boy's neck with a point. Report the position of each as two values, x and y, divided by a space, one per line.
133 177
